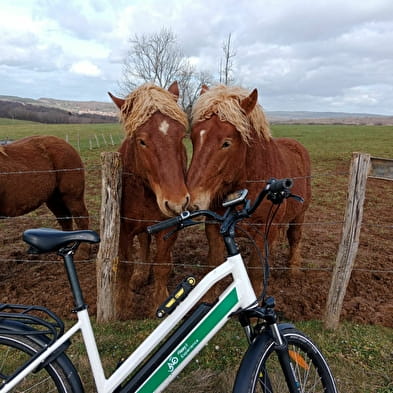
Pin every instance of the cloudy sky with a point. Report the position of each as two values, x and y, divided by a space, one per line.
317 55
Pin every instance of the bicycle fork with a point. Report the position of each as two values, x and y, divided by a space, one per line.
268 314
281 348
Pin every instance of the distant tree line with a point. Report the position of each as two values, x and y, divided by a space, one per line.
43 114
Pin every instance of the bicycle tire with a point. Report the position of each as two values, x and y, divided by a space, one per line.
58 375
260 370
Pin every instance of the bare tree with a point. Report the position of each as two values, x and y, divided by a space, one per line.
154 58
226 64
157 58
190 84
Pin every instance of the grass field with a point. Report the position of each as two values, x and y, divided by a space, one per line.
361 356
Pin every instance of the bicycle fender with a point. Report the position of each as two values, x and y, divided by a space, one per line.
283 326
253 353
15 327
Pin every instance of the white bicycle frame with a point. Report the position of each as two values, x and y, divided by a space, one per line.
238 294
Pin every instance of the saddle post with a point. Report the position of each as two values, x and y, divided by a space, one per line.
68 256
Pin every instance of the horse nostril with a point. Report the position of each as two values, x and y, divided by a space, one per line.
172 210
187 202
168 207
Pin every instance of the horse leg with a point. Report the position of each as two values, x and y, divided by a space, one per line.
76 205
73 208
57 206
294 235
216 253
256 265
141 272
124 295
76 208
162 269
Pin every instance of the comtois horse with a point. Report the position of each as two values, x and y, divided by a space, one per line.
234 149
154 164
39 170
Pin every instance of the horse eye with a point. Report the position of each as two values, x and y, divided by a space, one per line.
226 144
142 142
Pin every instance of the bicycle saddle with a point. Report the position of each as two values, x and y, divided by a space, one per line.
43 240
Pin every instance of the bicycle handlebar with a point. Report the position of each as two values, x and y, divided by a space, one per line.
280 185
276 189
171 222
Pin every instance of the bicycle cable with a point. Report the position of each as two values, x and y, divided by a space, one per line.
265 258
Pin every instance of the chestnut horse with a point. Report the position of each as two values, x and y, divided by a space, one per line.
43 169
234 149
154 165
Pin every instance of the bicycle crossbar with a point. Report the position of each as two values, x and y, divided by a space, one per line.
239 294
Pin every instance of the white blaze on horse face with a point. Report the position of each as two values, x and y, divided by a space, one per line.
202 136
164 127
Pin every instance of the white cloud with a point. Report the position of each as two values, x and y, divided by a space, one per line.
85 67
319 55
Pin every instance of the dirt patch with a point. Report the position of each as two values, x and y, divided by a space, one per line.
369 299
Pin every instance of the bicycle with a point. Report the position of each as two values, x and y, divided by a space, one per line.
279 357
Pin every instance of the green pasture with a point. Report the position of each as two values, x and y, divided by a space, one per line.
361 356
330 147
326 143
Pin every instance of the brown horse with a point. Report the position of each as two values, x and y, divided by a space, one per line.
43 169
154 165
234 149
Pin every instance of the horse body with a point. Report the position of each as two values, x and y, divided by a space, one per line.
154 164
43 169
233 153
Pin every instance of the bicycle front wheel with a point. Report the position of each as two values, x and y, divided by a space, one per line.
16 350
260 370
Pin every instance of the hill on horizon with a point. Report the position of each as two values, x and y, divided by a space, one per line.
108 111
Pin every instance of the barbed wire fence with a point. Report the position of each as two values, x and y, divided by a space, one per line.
45 218
376 224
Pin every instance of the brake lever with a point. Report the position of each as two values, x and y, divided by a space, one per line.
296 197
278 197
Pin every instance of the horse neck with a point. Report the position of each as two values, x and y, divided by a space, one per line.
263 159
129 167
138 200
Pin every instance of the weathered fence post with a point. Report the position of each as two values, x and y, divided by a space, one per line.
107 258
346 255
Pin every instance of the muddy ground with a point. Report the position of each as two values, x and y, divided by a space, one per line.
369 296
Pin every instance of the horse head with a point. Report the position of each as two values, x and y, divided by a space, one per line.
221 134
153 150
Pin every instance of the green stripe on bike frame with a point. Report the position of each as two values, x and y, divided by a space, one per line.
185 349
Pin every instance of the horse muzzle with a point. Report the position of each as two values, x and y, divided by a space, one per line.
173 208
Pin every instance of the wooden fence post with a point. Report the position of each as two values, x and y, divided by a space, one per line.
346 255
107 257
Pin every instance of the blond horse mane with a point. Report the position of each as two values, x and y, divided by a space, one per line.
224 101
143 102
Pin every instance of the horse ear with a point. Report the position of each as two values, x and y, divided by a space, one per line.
248 103
204 89
119 102
174 89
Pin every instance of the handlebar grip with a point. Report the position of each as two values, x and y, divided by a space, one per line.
155 228
280 185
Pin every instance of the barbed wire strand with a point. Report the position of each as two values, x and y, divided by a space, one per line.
199 266
319 223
